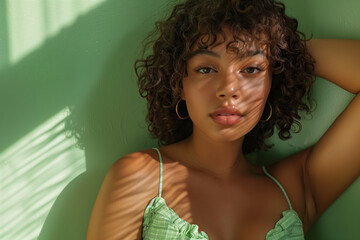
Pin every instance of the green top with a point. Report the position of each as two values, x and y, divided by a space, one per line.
161 222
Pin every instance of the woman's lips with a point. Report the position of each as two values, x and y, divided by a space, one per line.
226 116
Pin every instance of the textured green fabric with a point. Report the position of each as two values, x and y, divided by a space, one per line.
161 222
290 225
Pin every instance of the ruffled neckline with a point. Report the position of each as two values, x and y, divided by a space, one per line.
157 210
288 227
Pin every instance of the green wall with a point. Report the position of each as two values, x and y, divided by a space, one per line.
67 65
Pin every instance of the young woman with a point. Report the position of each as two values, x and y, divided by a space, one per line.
221 76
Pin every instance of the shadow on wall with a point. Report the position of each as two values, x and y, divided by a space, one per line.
87 68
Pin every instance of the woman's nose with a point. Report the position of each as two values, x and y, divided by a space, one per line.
228 87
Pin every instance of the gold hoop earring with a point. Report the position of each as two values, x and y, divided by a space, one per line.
269 114
177 111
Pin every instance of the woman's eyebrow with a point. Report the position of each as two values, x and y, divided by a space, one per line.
247 54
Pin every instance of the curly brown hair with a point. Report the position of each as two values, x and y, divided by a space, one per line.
200 22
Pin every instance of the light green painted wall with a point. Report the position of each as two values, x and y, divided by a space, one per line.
69 65
56 55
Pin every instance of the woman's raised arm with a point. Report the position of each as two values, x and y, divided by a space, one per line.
337 60
334 162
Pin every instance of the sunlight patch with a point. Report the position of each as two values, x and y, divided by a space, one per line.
33 173
31 22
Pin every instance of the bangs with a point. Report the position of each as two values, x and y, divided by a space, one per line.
240 44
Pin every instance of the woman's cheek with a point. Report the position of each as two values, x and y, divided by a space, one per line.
257 90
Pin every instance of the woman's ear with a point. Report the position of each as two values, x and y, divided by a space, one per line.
182 95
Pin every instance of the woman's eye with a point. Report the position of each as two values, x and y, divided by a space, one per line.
251 70
205 70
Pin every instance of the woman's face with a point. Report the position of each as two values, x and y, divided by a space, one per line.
225 92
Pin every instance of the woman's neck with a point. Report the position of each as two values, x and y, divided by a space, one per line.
220 159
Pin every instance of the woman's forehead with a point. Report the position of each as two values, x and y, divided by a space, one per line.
240 43
241 47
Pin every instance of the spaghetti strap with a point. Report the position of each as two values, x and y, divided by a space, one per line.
278 183
161 171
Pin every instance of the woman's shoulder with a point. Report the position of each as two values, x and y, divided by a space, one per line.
140 169
129 185
140 166
135 163
291 164
290 172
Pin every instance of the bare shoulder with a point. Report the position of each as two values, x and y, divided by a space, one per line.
291 173
129 185
135 164
293 164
